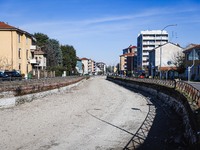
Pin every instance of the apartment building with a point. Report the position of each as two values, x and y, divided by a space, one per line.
146 41
101 68
128 61
93 67
15 49
89 66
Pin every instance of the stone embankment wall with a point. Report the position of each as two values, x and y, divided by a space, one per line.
173 99
18 92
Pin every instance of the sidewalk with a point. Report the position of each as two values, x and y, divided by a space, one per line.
194 84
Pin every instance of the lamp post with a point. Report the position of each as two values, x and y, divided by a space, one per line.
161 46
193 63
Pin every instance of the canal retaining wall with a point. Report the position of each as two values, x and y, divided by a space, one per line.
171 97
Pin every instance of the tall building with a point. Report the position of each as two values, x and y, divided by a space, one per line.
146 41
15 49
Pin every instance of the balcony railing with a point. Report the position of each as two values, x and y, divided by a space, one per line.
33 47
34 61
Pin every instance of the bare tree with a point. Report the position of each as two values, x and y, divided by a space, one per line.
5 64
179 61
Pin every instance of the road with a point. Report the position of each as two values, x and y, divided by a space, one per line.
194 84
96 115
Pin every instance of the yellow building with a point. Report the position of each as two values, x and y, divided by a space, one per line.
16 49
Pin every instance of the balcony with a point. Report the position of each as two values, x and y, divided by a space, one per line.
163 38
33 47
148 38
34 61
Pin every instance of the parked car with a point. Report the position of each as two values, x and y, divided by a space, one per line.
3 76
142 76
13 75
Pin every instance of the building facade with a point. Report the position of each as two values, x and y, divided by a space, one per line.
101 68
86 67
192 62
146 41
38 59
93 67
15 49
79 66
128 61
166 65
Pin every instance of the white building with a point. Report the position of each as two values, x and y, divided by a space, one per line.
101 68
167 52
146 41
85 62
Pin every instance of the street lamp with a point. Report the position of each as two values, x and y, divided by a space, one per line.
193 63
161 46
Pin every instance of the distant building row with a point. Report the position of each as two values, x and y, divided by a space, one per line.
156 56
87 66
19 52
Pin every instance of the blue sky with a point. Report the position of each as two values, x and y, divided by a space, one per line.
100 29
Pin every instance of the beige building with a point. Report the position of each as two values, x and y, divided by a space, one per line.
128 60
15 49
85 62
89 66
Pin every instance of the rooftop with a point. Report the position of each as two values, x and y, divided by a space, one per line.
191 47
6 27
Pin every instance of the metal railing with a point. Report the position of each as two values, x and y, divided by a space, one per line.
190 92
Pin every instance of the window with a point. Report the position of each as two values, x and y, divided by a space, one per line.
192 55
27 68
19 38
26 40
198 54
19 66
19 53
26 54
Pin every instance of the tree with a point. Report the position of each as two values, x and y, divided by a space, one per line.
69 57
51 47
179 62
41 39
54 53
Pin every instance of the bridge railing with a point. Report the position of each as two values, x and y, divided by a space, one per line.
192 94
